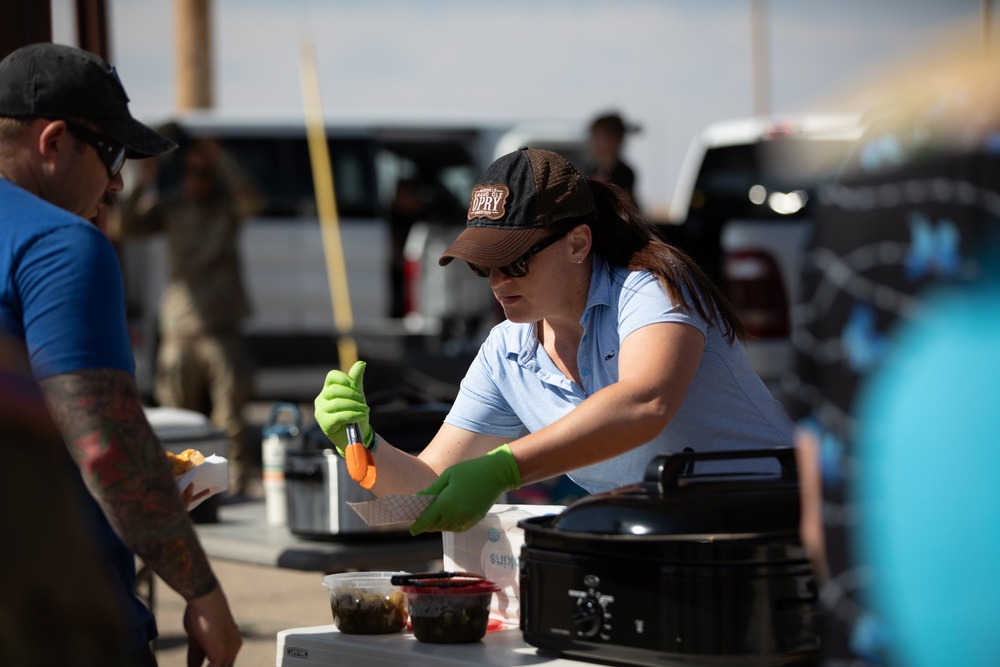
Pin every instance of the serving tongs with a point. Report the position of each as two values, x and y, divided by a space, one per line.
360 462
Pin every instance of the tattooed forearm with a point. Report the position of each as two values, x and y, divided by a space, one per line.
101 418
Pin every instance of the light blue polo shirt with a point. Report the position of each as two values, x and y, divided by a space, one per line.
513 388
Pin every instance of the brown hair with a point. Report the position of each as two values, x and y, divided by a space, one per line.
11 129
624 238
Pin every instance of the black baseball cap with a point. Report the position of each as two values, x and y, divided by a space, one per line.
54 81
518 201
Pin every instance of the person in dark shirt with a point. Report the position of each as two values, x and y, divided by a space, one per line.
606 140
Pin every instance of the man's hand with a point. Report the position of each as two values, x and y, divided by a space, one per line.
466 491
189 496
212 631
342 402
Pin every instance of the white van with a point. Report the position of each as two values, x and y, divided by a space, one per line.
291 331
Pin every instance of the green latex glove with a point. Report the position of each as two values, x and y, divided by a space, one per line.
342 402
467 490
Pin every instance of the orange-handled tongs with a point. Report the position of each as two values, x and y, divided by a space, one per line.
360 462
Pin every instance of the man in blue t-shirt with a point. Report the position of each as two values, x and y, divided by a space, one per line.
65 131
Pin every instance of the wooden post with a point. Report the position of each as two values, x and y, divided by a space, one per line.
194 54
92 27
24 22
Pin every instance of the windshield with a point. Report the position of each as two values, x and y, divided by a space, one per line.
769 179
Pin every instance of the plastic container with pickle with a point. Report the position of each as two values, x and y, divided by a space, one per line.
447 607
366 603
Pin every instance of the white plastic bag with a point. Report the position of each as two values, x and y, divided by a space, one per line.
492 548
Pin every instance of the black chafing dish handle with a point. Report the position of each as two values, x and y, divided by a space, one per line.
666 469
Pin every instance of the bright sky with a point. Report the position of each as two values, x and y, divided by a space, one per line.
670 66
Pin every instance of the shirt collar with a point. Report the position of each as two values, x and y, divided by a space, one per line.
601 279
522 340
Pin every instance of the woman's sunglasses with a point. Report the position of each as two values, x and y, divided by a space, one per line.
519 267
112 154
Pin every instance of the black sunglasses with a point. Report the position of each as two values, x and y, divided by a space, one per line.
112 154
519 267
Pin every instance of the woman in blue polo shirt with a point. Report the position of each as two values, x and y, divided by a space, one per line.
615 348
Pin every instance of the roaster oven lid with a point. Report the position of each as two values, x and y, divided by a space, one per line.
675 500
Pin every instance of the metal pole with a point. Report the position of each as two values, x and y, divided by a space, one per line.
760 49
326 203
194 54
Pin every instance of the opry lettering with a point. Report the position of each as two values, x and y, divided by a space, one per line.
489 201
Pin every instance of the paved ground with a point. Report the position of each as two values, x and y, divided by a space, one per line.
264 601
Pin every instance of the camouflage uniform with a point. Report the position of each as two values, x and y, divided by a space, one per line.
202 354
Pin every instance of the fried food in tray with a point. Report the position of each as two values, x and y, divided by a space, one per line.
197 474
187 460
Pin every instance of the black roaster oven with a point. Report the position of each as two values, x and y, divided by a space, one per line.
685 568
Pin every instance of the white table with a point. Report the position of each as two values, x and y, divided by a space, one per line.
324 645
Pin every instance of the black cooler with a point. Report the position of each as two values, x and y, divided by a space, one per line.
683 569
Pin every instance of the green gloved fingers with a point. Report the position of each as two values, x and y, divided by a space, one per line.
467 490
342 402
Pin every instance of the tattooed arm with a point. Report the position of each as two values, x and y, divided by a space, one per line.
101 418
123 464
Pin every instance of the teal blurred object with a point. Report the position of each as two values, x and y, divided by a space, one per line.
929 483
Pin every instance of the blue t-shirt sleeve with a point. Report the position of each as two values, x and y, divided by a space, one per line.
73 299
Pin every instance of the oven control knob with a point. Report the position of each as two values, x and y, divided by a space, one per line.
588 617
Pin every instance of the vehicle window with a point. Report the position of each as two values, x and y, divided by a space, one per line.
458 181
765 180
283 171
280 168
441 172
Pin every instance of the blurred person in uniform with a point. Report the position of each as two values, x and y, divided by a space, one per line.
605 142
908 217
406 209
202 356
65 131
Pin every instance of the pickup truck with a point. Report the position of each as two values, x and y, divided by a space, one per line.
743 206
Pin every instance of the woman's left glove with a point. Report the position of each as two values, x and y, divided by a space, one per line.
342 402
467 490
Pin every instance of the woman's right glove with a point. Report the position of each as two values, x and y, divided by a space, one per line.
342 402
467 490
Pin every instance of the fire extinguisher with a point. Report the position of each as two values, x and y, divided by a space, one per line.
282 432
